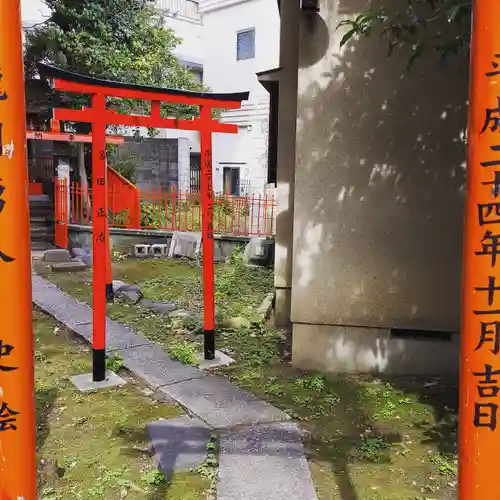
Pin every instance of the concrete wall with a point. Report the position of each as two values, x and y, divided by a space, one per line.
162 162
224 73
379 189
124 240
285 186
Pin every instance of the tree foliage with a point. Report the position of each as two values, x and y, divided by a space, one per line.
121 40
418 25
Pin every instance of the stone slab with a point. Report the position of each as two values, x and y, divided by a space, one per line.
56 255
129 293
274 451
84 383
117 284
77 316
68 267
185 245
221 404
221 359
158 306
78 252
118 336
155 367
179 444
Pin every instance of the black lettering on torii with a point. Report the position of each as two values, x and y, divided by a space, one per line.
3 95
494 65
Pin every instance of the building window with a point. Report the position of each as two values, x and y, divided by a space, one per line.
245 44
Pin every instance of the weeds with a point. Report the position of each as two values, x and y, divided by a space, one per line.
114 364
208 470
153 477
445 468
184 352
372 449
314 383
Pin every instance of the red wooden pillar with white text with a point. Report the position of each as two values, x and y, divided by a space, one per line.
207 211
18 478
100 247
479 429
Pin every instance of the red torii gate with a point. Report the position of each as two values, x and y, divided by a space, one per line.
100 116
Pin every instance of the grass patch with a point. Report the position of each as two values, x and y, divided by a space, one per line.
369 438
94 445
183 352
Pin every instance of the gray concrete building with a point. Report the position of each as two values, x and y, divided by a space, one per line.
370 175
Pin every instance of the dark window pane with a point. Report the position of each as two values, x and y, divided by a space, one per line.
245 45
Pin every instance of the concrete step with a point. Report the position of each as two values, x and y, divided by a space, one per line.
37 246
41 230
42 237
40 220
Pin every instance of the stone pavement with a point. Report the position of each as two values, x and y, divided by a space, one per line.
261 453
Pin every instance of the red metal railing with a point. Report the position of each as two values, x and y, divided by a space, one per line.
152 208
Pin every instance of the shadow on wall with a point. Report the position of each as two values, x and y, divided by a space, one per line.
379 185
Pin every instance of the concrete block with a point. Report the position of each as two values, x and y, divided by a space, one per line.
56 255
155 367
185 245
221 404
272 451
179 444
129 293
221 359
84 383
158 250
88 260
141 251
68 267
78 252
349 349
259 251
117 284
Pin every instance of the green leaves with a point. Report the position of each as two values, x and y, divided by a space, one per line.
121 40
418 25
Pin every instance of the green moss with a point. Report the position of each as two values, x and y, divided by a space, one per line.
99 439
370 439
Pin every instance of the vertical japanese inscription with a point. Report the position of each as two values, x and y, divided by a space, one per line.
3 97
210 194
487 380
8 416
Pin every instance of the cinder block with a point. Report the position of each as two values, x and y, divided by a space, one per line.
57 255
141 251
158 250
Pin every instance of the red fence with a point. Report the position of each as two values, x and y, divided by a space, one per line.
61 198
130 207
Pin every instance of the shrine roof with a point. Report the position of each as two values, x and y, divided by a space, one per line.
61 74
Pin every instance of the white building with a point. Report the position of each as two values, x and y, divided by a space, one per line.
225 43
241 38
33 12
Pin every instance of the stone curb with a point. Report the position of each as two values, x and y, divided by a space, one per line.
240 418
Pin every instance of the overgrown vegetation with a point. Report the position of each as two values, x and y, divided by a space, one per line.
369 438
94 445
176 213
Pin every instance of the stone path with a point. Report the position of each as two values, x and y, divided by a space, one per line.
261 453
